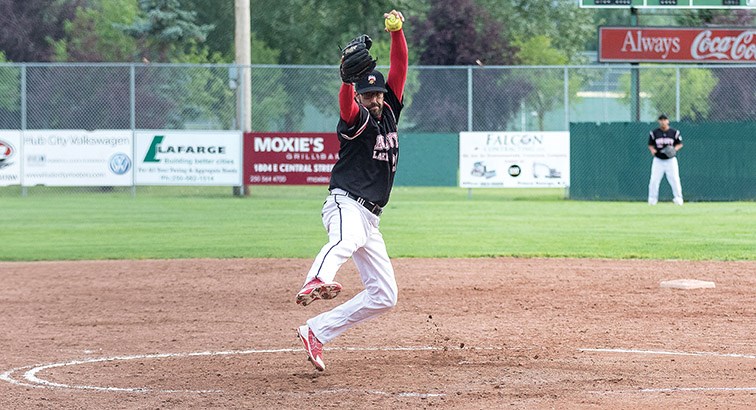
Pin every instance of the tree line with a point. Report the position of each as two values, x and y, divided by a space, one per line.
309 32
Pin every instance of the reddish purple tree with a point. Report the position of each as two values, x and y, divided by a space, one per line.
27 26
461 33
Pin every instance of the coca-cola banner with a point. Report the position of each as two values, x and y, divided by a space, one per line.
676 44
289 158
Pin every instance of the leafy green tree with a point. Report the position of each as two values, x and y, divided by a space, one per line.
708 17
568 26
548 84
306 33
219 13
696 85
93 35
208 101
166 29
309 32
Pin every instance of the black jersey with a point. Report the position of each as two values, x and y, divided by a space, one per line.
369 152
659 139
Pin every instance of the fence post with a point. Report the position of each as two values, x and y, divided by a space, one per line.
132 124
677 95
469 99
566 114
566 99
469 111
23 125
635 102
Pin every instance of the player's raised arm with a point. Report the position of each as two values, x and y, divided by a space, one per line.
399 55
348 107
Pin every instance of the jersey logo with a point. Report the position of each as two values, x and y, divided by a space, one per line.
660 142
382 151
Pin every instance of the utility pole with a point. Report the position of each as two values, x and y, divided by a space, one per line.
243 48
635 104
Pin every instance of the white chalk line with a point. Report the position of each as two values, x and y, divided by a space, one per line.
670 353
33 380
677 353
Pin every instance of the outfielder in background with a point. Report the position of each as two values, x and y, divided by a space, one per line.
664 142
360 186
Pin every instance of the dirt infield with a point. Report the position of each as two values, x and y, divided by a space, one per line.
466 334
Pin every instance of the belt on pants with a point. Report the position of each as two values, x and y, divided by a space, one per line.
374 208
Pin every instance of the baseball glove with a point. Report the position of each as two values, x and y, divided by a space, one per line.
667 152
356 62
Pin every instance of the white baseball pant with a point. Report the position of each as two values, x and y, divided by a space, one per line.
660 168
352 232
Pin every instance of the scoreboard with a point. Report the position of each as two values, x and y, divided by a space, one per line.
674 4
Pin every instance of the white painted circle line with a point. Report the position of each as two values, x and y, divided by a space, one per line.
33 380
677 353
670 353
682 389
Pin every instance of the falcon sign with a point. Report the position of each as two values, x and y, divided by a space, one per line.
668 44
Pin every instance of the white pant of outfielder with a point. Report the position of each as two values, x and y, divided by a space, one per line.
352 232
660 168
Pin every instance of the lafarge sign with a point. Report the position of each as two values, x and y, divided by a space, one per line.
180 157
675 44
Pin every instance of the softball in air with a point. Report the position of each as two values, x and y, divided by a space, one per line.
393 23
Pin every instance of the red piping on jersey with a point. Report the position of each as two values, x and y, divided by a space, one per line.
391 110
362 128
397 76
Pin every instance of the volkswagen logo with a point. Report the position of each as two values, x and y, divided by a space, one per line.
120 163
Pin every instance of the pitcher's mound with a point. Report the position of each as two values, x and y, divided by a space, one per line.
687 284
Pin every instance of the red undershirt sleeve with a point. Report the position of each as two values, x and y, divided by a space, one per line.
348 107
397 74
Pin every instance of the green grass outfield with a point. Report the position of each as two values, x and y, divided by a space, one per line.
284 222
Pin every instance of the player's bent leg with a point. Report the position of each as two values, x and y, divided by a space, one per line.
346 233
377 274
379 296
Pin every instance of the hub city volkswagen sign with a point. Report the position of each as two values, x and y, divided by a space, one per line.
676 44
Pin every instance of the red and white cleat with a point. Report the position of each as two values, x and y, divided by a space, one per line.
312 346
317 289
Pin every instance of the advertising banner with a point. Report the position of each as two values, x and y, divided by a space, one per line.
538 159
77 158
677 44
291 158
10 157
178 157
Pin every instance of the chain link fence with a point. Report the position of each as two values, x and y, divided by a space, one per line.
304 98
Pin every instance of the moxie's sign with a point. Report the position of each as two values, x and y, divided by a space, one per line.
689 45
289 158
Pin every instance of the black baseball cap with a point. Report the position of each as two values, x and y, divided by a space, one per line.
372 82
663 116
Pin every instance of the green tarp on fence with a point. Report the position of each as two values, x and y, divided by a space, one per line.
611 161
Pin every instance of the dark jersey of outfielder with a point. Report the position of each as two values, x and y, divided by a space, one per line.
659 139
369 152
